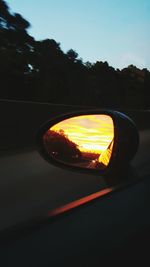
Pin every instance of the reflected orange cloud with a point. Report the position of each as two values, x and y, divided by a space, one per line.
90 132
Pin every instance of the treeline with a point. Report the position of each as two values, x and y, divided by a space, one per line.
40 71
59 146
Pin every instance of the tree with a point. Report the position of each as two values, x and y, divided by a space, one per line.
41 71
72 55
58 145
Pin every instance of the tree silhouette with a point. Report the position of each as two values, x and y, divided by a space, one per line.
41 71
59 146
72 55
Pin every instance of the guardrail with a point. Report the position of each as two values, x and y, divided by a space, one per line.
20 120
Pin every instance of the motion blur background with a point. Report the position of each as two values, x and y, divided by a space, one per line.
81 53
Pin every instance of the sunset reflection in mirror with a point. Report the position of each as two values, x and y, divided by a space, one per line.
85 141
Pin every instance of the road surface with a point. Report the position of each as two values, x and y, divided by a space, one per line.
29 186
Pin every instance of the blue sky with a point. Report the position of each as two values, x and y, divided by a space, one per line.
116 31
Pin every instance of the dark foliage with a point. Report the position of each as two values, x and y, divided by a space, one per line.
41 71
59 146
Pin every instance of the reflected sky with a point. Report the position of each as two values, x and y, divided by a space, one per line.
90 132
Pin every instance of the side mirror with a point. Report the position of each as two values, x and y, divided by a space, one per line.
89 141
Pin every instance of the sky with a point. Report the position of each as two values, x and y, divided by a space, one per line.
116 31
90 132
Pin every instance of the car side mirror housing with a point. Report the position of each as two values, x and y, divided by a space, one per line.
97 141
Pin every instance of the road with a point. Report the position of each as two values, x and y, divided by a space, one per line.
29 186
113 229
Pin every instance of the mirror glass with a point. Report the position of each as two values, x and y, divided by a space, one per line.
83 141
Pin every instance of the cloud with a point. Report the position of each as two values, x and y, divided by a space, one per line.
129 58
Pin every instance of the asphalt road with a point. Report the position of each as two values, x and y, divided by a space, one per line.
108 231
29 186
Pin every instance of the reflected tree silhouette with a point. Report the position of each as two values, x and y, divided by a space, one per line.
59 146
